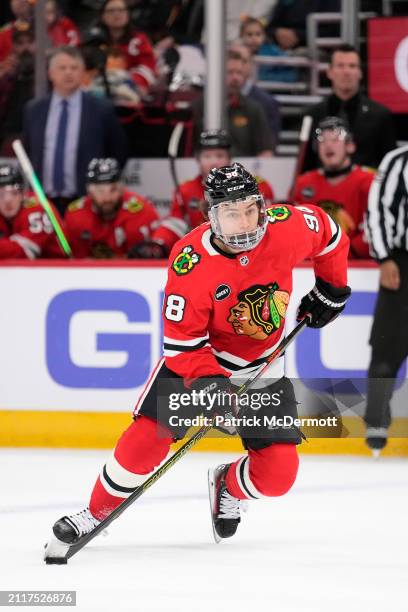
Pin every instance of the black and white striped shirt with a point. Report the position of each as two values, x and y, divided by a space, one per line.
387 213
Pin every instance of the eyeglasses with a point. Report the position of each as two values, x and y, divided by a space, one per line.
116 10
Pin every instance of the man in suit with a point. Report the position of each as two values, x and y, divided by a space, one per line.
370 123
65 130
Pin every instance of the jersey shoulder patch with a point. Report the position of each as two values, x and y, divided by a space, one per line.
30 202
76 205
185 261
279 212
133 205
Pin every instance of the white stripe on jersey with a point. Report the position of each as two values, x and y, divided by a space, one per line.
330 247
178 226
191 342
31 249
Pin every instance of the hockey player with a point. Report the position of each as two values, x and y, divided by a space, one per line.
25 230
110 221
339 187
228 288
188 208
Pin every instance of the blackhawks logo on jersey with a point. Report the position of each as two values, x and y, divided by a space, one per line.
133 205
278 213
185 261
260 311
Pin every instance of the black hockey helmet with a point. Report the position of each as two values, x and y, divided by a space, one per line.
103 170
10 175
213 139
333 124
234 185
229 183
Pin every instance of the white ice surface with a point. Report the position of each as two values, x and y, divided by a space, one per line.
337 542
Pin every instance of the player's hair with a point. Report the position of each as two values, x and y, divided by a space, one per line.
73 52
343 48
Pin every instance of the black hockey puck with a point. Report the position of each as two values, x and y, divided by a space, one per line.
56 561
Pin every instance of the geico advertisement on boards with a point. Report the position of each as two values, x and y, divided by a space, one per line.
86 338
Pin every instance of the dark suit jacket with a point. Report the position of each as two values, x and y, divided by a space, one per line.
100 134
371 124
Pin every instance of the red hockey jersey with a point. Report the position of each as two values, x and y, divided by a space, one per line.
30 234
223 313
351 193
91 236
185 213
141 62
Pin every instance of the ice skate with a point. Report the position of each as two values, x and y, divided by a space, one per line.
68 530
225 509
376 440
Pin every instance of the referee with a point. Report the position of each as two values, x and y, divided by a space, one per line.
387 232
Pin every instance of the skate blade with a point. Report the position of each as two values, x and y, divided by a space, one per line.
211 495
56 552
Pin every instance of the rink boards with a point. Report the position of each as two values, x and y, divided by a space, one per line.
78 341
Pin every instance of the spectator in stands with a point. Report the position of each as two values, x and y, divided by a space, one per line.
23 12
117 31
115 80
110 221
387 231
61 29
287 26
65 130
254 37
16 85
247 124
239 11
188 208
268 102
338 186
25 230
370 122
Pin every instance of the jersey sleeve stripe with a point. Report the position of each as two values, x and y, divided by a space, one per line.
31 249
334 240
178 226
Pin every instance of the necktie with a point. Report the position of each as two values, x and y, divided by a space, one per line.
58 171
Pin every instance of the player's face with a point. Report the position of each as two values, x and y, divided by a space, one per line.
22 9
11 199
345 72
238 217
253 36
213 158
333 150
106 197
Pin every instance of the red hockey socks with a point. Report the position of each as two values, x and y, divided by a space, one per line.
268 472
141 448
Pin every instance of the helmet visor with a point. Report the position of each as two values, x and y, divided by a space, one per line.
241 223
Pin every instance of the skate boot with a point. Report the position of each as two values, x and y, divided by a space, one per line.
376 439
225 509
67 531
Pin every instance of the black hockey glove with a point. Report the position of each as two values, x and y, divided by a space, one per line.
323 303
148 249
216 398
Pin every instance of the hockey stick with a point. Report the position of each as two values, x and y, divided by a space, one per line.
172 151
74 548
303 142
39 192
